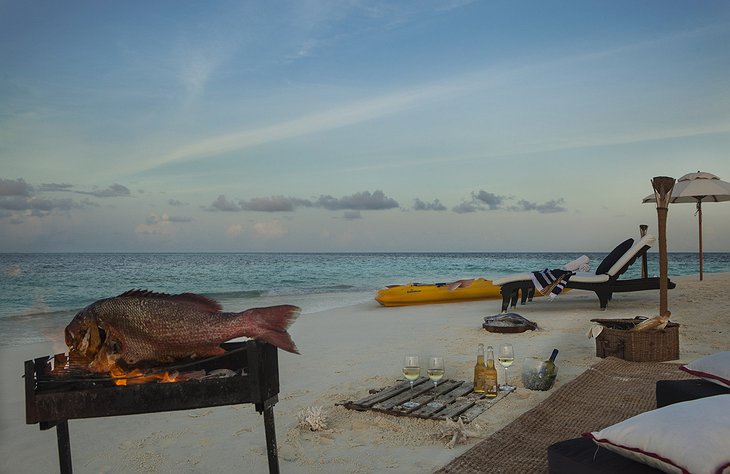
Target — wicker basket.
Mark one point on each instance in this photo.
(652, 345)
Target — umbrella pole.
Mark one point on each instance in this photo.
(699, 215)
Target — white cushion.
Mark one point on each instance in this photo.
(715, 368)
(690, 436)
(588, 278)
(580, 277)
(648, 239)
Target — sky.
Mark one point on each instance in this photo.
(358, 126)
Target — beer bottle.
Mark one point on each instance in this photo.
(490, 388)
(480, 371)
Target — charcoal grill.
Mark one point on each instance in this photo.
(51, 400)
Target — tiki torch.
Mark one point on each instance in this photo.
(663, 192)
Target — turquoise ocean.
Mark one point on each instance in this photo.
(40, 293)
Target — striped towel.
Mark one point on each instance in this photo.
(550, 281)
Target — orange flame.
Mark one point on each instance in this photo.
(136, 376)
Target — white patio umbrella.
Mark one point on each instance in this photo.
(698, 187)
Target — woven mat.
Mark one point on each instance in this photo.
(610, 391)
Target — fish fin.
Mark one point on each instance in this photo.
(201, 301)
(271, 324)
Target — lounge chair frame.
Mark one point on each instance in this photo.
(524, 290)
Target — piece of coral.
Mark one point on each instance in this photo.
(312, 419)
(457, 432)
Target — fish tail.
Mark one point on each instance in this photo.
(270, 325)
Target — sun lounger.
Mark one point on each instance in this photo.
(605, 282)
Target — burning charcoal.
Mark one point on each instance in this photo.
(220, 374)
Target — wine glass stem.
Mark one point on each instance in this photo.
(505, 377)
(411, 390)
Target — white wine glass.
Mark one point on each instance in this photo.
(506, 356)
(435, 369)
(411, 370)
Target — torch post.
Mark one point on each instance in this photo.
(644, 271)
(663, 186)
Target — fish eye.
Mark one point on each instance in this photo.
(114, 347)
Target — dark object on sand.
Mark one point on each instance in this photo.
(139, 326)
(508, 323)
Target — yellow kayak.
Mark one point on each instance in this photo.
(418, 293)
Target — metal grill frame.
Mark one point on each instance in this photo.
(260, 386)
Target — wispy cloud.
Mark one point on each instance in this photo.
(351, 113)
(115, 190)
(341, 116)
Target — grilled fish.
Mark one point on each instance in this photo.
(139, 326)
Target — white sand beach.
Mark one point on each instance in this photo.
(345, 353)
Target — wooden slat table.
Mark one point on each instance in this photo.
(451, 399)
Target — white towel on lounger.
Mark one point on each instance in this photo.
(580, 264)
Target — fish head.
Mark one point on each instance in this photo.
(108, 356)
(83, 334)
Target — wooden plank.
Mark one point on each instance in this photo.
(477, 409)
(462, 390)
(480, 406)
(442, 396)
(455, 409)
(370, 400)
(403, 397)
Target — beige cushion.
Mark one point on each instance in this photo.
(691, 436)
(648, 239)
(714, 367)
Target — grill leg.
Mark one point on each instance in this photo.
(270, 430)
(64, 448)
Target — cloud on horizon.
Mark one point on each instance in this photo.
(274, 204)
(486, 201)
(359, 202)
(18, 187)
(362, 201)
(436, 205)
(19, 199)
(378, 201)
